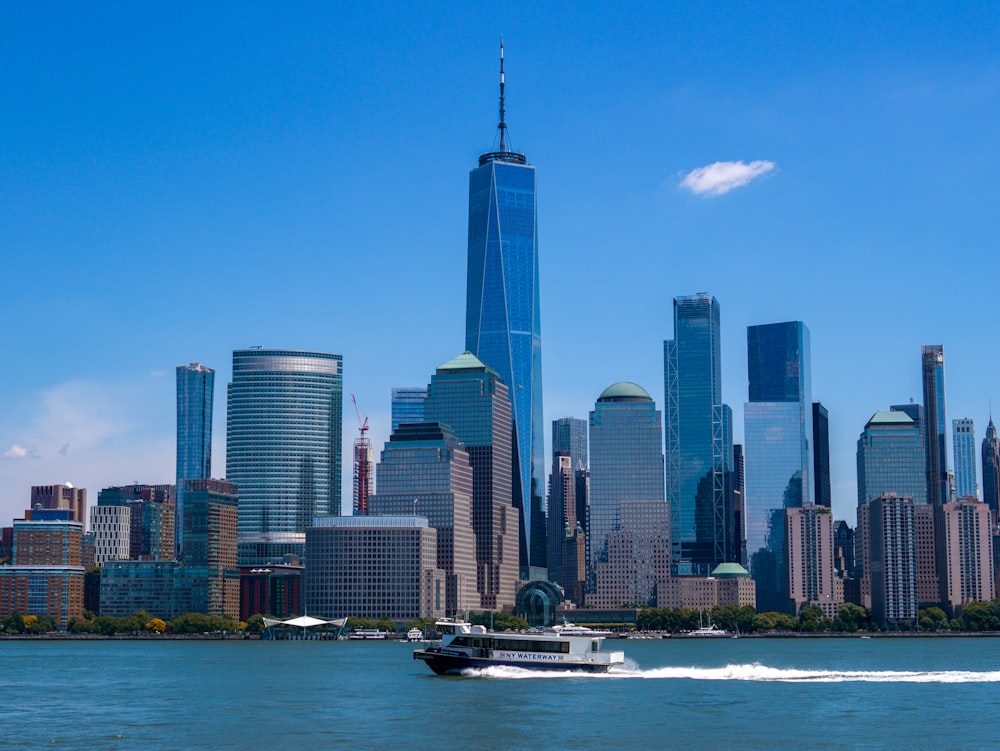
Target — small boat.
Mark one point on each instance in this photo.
(566, 647)
(414, 634)
(367, 634)
(709, 631)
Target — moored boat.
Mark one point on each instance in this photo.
(566, 647)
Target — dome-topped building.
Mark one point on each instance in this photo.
(624, 391)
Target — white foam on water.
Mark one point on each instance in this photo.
(750, 672)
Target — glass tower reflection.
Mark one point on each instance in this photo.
(503, 323)
(283, 447)
(699, 441)
(778, 431)
(195, 398)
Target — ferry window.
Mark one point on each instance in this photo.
(595, 646)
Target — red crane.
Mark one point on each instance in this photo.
(362, 464)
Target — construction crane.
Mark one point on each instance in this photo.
(363, 460)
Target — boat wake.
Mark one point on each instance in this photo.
(750, 672)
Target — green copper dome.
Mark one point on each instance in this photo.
(625, 391)
(729, 571)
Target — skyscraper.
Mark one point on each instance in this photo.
(778, 455)
(472, 400)
(628, 547)
(891, 461)
(699, 441)
(195, 397)
(963, 437)
(408, 405)
(503, 322)
(932, 371)
(425, 471)
(283, 447)
(821, 456)
(991, 469)
(569, 436)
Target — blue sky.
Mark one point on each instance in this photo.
(180, 181)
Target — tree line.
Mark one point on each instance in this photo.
(850, 618)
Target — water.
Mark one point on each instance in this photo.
(746, 693)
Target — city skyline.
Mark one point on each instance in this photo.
(231, 162)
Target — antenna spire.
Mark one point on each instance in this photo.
(503, 122)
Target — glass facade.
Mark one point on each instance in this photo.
(569, 436)
(283, 447)
(628, 540)
(891, 458)
(932, 370)
(991, 469)
(822, 494)
(699, 442)
(777, 451)
(408, 405)
(470, 398)
(425, 471)
(195, 397)
(503, 322)
(963, 436)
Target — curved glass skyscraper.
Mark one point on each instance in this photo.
(502, 324)
(283, 441)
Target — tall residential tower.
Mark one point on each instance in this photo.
(195, 397)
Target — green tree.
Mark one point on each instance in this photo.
(255, 624)
(852, 618)
(932, 619)
(811, 619)
(14, 623)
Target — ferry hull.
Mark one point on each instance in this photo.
(444, 663)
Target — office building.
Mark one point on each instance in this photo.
(629, 524)
(843, 548)
(728, 584)
(503, 317)
(699, 441)
(935, 426)
(425, 471)
(822, 494)
(567, 561)
(891, 552)
(63, 496)
(283, 447)
(968, 551)
(569, 436)
(408, 405)
(991, 470)
(809, 541)
(777, 451)
(963, 437)
(469, 397)
(373, 567)
(55, 591)
(891, 458)
(739, 503)
(210, 550)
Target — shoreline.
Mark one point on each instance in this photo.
(642, 636)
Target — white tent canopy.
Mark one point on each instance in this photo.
(304, 621)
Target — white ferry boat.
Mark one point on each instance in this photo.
(565, 647)
(367, 634)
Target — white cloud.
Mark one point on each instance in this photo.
(722, 177)
(93, 434)
(15, 452)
